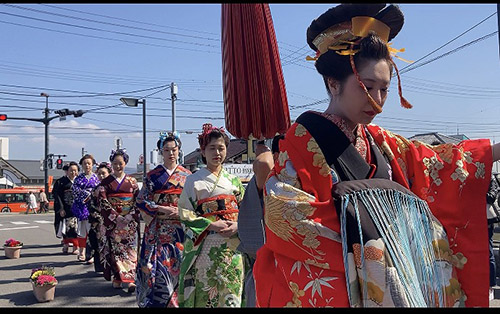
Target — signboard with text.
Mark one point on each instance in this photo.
(243, 171)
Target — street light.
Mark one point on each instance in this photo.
(134, 102)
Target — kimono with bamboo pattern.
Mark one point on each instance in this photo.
(161, 249)
(212, 270)
(301, 264)
(118, 247)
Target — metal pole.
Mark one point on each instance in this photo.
(173, 96)
(498, 29)
(144, 140)
(45, 162)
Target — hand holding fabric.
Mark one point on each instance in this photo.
(218, 225)
(231, 229)
(169, 211)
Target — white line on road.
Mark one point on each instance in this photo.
(17, 228)
(43, 221)
(19, 223)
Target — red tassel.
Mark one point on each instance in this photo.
(376, 107)
(403, 101)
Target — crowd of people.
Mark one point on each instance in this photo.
(340, 212)
(188, 254)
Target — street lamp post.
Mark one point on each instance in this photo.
(133, 102)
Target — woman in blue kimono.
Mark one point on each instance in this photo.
(161, 250)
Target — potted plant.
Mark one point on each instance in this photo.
(12, 248)
(43, 280)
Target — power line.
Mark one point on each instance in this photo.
(127, 20)
(117, 76)
(447, 53)
(107, 31)
(161, 116)
(91, 94)
(401, 71)
(112, 39)
(107, 23)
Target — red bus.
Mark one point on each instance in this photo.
(16, 199)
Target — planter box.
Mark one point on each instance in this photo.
(44, 293)
(12, 252)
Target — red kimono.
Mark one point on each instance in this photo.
(301, 263)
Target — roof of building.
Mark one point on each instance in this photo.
(436, 137)
(31, 169)
(236, 148)
(192, 157)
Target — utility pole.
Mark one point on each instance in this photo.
(46, 122)
(498, 28)
(173, 94)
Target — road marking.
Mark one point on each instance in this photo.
(19, 223)
(43, 221)
(17, 228)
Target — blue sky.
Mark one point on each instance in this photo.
(64, 51)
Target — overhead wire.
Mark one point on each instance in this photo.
(112, 39)
(127, 20)
(107, 23)
(108, 31)
(130, 78)
(450, 41)
(410, 68)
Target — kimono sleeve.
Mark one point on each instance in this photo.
(79, 193)
(240, 190)
(453, 179)
(135, 191)
(187, 204)
(145, 199)
(58, 204)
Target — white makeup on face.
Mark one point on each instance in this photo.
(353, 104)
(215, 154)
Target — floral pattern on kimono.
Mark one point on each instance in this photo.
(301, 263)
(161, 249)
(212, 271)
(118, 247)
(82, 191)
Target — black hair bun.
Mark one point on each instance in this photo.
(390, 15)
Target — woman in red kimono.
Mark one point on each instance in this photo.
(117, 205)
(357, 216)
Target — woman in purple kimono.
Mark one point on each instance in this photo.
(116, 202)
(82, 188)
(161, 250)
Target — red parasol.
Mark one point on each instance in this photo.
(255, 102)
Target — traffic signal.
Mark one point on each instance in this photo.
(78, 113)
(50, 163)
(59, 163)
(3, 117)
(63, 112)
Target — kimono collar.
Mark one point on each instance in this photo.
(343, 126)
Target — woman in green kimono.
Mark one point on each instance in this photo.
(212, 270)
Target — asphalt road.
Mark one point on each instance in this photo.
(79, 285)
